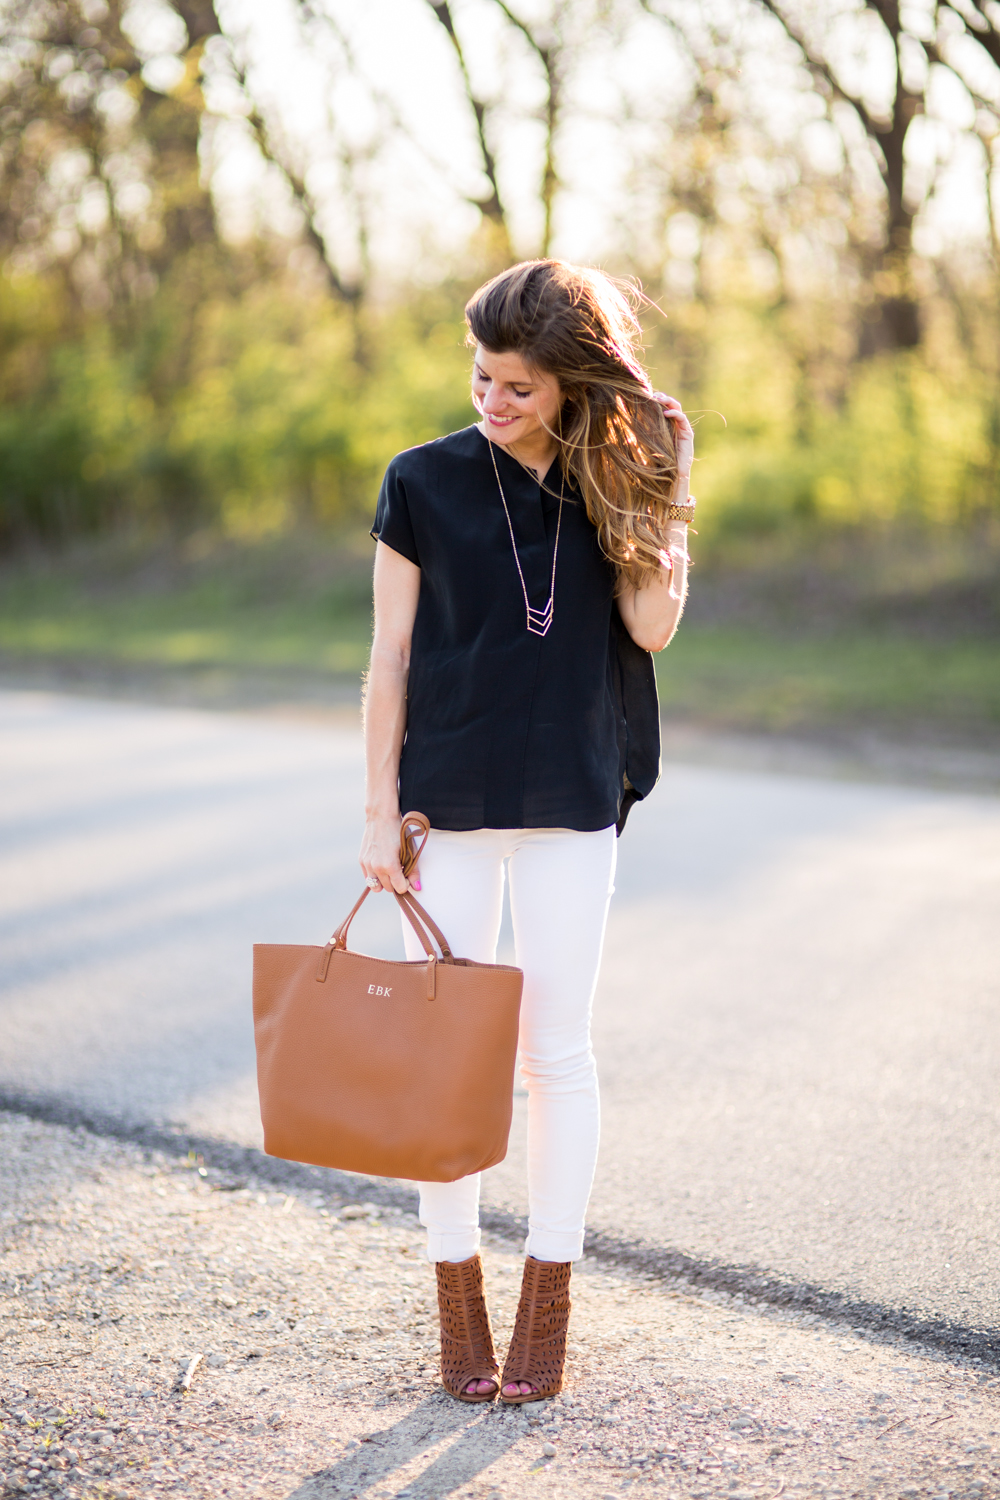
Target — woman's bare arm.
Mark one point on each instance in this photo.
(397, 589)
(651, 614)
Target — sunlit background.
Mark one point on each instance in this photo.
(236, 239)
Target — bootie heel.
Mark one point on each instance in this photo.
(466, 1335)
(537, 1353)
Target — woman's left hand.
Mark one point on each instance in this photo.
(683, 433)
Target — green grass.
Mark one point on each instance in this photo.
(759, 679)
(302, 606)
(183, 635)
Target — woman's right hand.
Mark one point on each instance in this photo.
(683, 433)
(380, 854)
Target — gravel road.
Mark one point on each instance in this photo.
(306, 1326)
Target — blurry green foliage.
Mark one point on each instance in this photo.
(282, 409)
(911, 437)
(753, 679)
(279, 416)
(151, 372)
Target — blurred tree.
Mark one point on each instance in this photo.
(549, 42)
(294, 161)
(104, 193)
(738, 211)
(151, 368)
(278, 151)
(960, 37)
(490, 204)
(553, 42)
(101, 173)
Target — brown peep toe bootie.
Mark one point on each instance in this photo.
(537, 1352)
(466, 1335)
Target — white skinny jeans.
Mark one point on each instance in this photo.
(561, 882)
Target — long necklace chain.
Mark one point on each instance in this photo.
(539, 620)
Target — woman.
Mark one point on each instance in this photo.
(525, 569)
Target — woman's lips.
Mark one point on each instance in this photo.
(501, 421)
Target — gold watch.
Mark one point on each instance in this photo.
(683, 512)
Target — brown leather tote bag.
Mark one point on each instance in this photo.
(395, 1069)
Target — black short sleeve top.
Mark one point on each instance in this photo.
(505, 728)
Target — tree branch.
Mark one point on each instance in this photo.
(522, 27)
(346, 292)
(549, 57)
(934, 54)
(822, 71)
(491, 207)
(988, 37)
(200, 18)
(320, 16)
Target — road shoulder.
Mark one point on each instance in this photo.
(308, 1329)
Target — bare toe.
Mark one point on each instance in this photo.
(480, 1387)
(519, 1388)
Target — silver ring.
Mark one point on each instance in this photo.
(374, 883)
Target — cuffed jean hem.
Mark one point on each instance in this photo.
(453, 1247)
(553, 1244)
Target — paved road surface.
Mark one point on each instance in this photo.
(798, 1028)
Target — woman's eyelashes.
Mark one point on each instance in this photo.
(484, 381)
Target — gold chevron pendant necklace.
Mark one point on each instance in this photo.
(539, 621)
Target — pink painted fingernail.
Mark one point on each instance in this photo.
(417, 886)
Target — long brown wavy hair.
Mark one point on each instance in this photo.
(614, 441)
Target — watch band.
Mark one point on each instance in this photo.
(683, 512)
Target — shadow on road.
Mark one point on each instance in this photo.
(467, 1429)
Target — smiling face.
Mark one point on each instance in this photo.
(517, 403)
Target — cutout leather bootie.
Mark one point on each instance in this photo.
(466, 1334)
(537, 1353)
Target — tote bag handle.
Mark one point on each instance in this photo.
(423, 925)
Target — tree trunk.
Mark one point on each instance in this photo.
(490, 205)
(891, 318)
